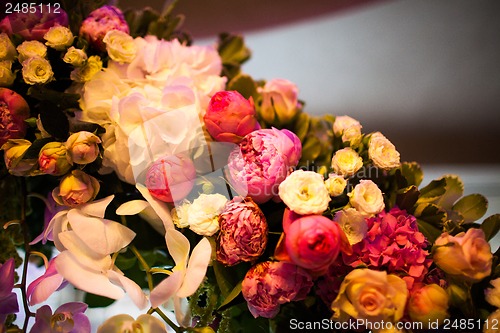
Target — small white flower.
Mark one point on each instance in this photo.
(382, 152)
(75, 57)
(7, 49)
(180, 214)
(367, 198)
(335, 185)
(346, 162)
(348, 128)
(493, 294)
(203, 213)
(31, 48)
(37, 70)
(59, 37)
(353, 224)
(120, 46)
(304, 192)
(6, 76)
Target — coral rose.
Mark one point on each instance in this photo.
(428, 303)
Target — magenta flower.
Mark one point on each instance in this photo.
(40, 289)
(393, 243)
(99, 22)
(230, 117)
(33, 26)
(267, 285)
(262, 161)
(68, 318)
(13, 112)
(243, 232)
(8, 299)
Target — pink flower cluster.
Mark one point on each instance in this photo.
(267, 285)
(99, 22)
(394, 243)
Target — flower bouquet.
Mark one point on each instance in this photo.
(138, 163)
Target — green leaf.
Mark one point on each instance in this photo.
(412, 172)
(431, 214)
(453, 191)
(232, 49)
(34, 149)
(62, 100)
(472, 207)
(232, 295)
(96, 301)
(433, 191)
(224, 278)
(311, 149)
(302, 125)
(245, 85)
(491, 226)
(430, 231)
(407, 198)
(124, 263)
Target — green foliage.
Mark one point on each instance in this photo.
(233, 52)
(96, 301)
(433, 191)
(472, 207)
(491, 226)
(245, 85)
(412, 172)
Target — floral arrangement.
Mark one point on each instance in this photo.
(139, 163)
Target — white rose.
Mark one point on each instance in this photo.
(353, 224)
(88, 70)
(37, 70)
(335, 185)
(59, 37)
(120, 46)
(31, 48)
(493, 294)
(7, 49)
(348, 128)
(346, 162)
(6, 76)
(203, 213)
(492, 322)
(180, 214)
(367, 198)
(304, 192)
(75, 57)
(382, 152)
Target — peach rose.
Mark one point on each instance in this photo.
(428, 303)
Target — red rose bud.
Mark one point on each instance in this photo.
(53, 159)
(230, 117)
(13, 112)
(171, 178)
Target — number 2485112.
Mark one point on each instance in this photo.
(31, 8)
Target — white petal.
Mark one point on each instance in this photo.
(160, 207)
(178, 247)
(196, 269)
(85, 256)
(131, 288)
(182, 311)
(96, 208)
(166, 289)
(132, 207)
(58, 223)
(89, 281)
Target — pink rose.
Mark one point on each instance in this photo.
(467, 254)
(76, 188)
(13, 112)
(99, 22)
(33, 26)
(312, 242)
(243, 232)
(53, 159)
(262, 161)
(230, 116)
(280, 102)
(171, 178)
(267, 285)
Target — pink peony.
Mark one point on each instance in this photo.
(171, 178)
(312, 242)
(243, 232)
(262, 161)
(13, 112)
(99, 22)
(267, 285)
(33, 26)
(393, 243)
(230, 116)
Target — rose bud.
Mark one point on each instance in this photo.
(13, 112)
(14, 151)
(348, 128)
(75, 57)
(7, 49)
(243, 232)
(230, 116)
(76, 188)
(83, 147)
(53, 159)
(428, 303)
(86, 72)
(171, 178)
(280, 102)
(268, 284)
(99, 22)
(59, 38)
(33, 26)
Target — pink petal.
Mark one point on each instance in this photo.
(96, 208)
(132, 207)
(131, 288)
(166, 289)
(7, 277)
(40, 289)
(159, 207)
(196, 269)
(178, 247)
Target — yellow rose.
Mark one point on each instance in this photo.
(14, 151)
(37, 70)
(7, 49)
(87, 71)
(335, 185)
(346, 162)
(467, 255)
(6, 76)
(76, 188)
(120, 46)
(370, 295)
(428, 303)
(367, 198)
(75, 57)
(31, 48)
(59, 37)
(382, 152)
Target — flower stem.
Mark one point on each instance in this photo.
(168, 321)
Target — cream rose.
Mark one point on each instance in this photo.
(335, 185)
(120, 46)
(180, 214)
(75, 57)
(7, 49)
(370, 295)
(346, 162)
(6, 76)
(493, 294)
(59, 37)
(382, 152)
(467, 254)
(37, 70)
(304, 192)
(348, 128)
(88, 70)
(428, 303)
(367, 198)
(353, 224)
(83, 147)
(203, 213)
(31, 48)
